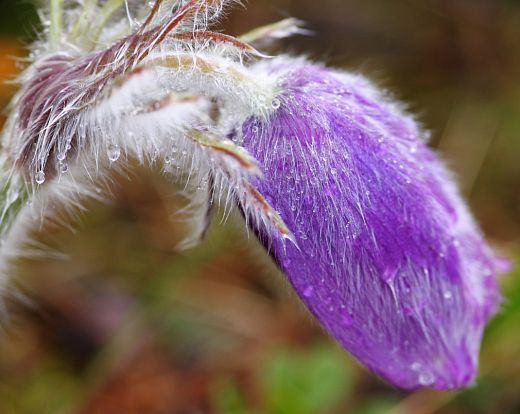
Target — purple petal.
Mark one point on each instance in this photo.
(390, 260)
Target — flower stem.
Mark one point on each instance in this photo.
(82, 21)
(56, 23)
(13, 195)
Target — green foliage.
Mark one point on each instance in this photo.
(56, 394)
(228, 399)
(379, 405)
(308, 381)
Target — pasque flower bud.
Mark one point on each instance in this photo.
(387, 256)
(335, 179)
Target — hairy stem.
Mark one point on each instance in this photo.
(56, 23)
(13, 195)
(81, 24)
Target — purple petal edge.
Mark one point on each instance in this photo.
(390, 260)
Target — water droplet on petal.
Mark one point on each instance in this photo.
(113, 152)
(40, 177)
(61, 156)
(447, 295)
(308, 291)
(389, 275)
(426, 378)
(276, 103)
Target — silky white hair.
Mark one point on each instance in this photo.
(110, 82)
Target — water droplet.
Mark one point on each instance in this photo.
(40, 177)
(12, 196)
(448, 295)
(276, 103)
(168, 160)
(389, 275)
(416, 366)
(308, 291)
(61, 156)
(113, 152)
(426, 378)
(64, 168)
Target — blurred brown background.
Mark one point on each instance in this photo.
(125, 325)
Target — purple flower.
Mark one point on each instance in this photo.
(388, 258)
(362, 217)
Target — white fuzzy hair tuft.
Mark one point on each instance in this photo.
(119, 80)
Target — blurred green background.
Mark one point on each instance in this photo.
(125, 325)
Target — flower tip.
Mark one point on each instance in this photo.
(451, 376)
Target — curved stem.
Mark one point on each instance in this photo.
(56, 23)
(14, 195)
(82, 21)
